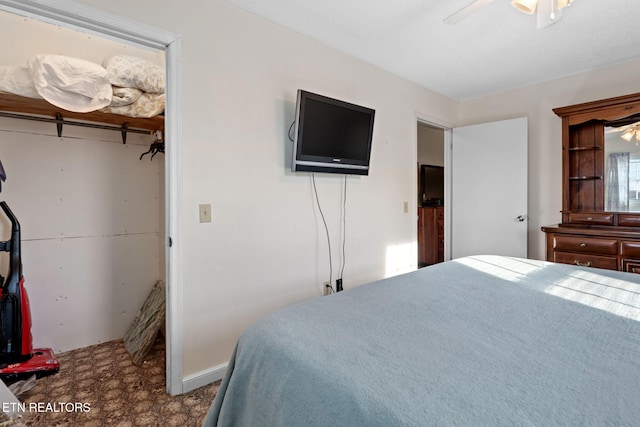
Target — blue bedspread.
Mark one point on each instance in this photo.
(479, 341)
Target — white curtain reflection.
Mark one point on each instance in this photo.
(617, 183)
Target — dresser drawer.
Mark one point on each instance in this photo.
(584, 260)
(591, 245)
(591, 218)
(630, 249)
(626, 220)
(631, 266)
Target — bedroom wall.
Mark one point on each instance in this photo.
(91, 212)
(30, 37)
(265, 247)
(545, 134)
(430, 145)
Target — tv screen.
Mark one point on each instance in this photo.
(432, 183)
(331, 135)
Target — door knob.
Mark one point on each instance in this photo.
(522, 218)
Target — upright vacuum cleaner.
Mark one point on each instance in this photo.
(18, 359)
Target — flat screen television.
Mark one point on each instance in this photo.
(331, 136)
(432, 185)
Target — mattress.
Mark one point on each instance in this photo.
(483, 340)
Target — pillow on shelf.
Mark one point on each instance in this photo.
(70, 83)
(130, 71)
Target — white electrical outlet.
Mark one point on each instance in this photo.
(406, 207)
(326, 288)
(205, 213)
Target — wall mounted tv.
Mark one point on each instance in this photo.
(331, 136)
(432, 185)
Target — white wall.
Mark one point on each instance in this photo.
(545, 134)
(266, 247)
(430, 145)
(91, 212)
(30, 37)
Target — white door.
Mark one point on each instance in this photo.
(488, 208)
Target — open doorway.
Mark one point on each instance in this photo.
(431, 194)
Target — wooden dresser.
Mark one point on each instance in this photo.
(430, 235)
(590, 235)
(610, 249)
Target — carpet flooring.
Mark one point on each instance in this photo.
(107, 389)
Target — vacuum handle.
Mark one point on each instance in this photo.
(15, 229)
(13, 247)
(8, 213)
(3, 175)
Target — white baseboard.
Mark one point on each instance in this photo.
(203, 378)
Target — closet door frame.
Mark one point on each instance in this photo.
(86, 19)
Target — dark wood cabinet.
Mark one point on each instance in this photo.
(611, 249)
(589, 235)
(430, 235)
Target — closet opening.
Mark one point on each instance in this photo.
(91, 208)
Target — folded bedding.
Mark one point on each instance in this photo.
(132, 72)
(123, 85)
(147, 105)
(70, 83)
(17, 80)
(124, 96)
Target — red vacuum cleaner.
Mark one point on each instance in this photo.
(18, 359)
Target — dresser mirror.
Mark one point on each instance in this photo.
(622, 165)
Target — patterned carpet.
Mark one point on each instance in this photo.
(107, 389)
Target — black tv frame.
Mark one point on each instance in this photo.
(328, 164)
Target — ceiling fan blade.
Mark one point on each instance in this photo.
(466, 11)
(548, 13)
(615, 130)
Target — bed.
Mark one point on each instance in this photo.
(482, 340)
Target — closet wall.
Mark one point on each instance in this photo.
(91, 212)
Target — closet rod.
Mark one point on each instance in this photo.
(59, 121)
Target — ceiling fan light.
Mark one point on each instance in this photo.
(526, 6)
(564, 3)
(628, 135)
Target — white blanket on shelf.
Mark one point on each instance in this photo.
(17, 80)
(70, 83)
(123, 85)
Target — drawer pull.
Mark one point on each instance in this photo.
(583, 245)
(582, 264)
(590, 219)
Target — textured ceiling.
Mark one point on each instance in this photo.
(496, 48)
